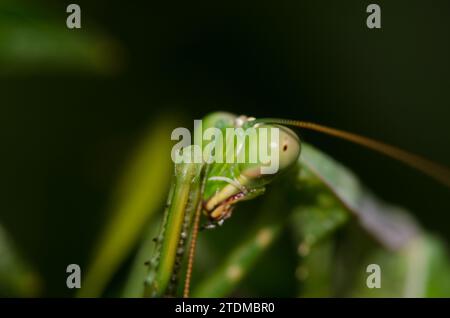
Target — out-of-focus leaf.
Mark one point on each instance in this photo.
(329, 192)
(242, 259)
(312, 223)
(438, 283)
(420, 269)
(270, 221)
(139, 196)
(33, 39)
(17, 279)
(316, 217)
(316, 270)
(390, 225)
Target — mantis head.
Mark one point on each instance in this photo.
(254, 153)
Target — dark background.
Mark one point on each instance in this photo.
(66, 135)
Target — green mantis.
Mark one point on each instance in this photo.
(215, 188)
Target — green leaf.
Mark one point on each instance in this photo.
(316, 217)
(17, 279)
(329, 191)
(225, 279)
(420, 269)
(438, 284)
(139, 196)
(259, 238)
(315, 271)
(314, 222)
(390, 225)
(34, 39)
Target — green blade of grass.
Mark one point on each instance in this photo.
(35, 39)
(17, 279)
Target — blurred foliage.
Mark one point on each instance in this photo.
(420, 269)
(390, 225)
(242, 258)
(36, 40)
(17, 278)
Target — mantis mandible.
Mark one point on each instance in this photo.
(215, 189)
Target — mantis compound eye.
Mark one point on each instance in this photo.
(277, 149)
(288, 148)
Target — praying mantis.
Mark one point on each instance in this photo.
(214, 189)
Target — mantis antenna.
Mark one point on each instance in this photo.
(428, 167)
